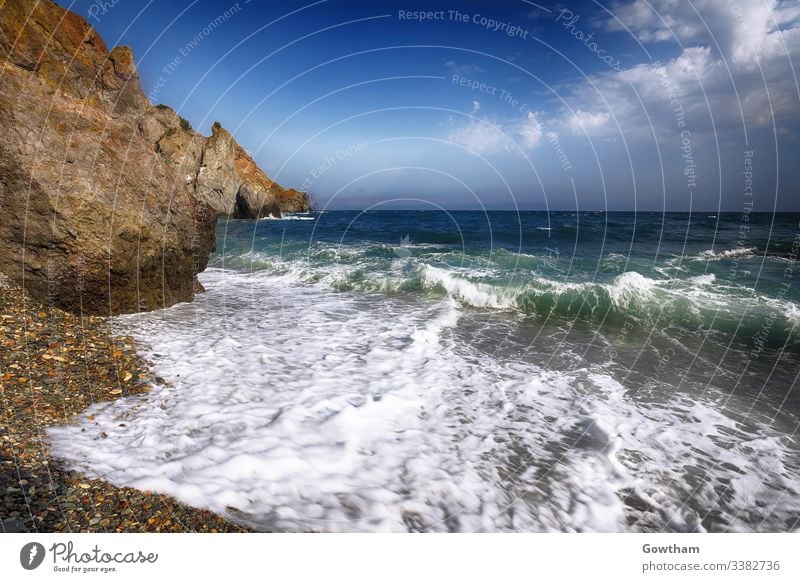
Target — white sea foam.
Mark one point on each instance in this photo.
(792, 312)
(465, 291)
(293, 407)
(694, 301)
(712, 255)
(707, 279)
(628, 286)
(622, 291)
(615, 257)
(289, 217)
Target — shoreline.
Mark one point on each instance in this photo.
(53, 366)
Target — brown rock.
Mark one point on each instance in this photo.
(122, 80)
(294, 201)
(232, 183)
(63, 51)
(108, 203)
(251, 203)
(179, 148)
(94, 220)
(217, 178)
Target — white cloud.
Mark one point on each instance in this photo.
(476, 105)
(733, 68)
(584, 121)
(484, 136)
(653, 20)
(530, 131)
(738, 31)
(478, 135)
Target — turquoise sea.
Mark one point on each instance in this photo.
(471, 371)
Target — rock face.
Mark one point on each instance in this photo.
(221, 172)
(108, 204)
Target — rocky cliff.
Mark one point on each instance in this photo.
(218, 169)
(108, 203)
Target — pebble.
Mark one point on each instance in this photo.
(55, 364)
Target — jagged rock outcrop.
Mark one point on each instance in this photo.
(217, 181)
(100, 192)
(93, 219)
(67, 55)
(259, 196)
(221, 172)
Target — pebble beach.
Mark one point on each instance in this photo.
(53, 365)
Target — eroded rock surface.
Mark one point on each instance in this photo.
(108, 203)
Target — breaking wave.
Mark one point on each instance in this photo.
(695, 302)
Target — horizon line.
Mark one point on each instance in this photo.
(717, 212)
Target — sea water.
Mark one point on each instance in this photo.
(470, 371)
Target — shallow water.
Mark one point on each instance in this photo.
(397, 371)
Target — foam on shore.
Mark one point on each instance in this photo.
(294, 407)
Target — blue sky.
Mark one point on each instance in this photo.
(616, 105)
